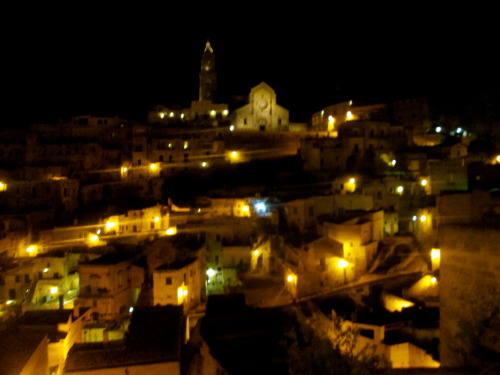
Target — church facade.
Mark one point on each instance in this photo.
(261, 113)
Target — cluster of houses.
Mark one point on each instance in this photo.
(100, 272)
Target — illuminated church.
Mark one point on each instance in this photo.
(261, 113)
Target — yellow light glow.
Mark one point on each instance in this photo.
(45, 270)
(423, 182)
(349, 116)
(94, 238)
(352, 180)
(433, 280)
(245, 208)
(290, 278)
(498, 159)
(342, 263)
(423, 218)
(322, 113)
(185, 292)
(171, 114)
(54, 290)
(213, 113)
(225, 112)
(3, 186)
(211, 272)
(331, 120)
(110, 225)
(186, 145)
(152, 166)
(124, 169)
(234, 154)
(204, 164)
(30, 249)
(231, 128)
(400, 189)
(256, 252)
(435, 254)
(171, 231)
(162, 115)
(182, 115)
(157, 219)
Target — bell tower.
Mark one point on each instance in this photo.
(208, 74)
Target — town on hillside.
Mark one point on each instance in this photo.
(228, 240)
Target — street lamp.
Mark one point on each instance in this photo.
(343, 264)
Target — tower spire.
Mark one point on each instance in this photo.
(208, 74)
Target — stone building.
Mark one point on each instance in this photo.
(110, 284)
(178, 283)
(261, 113)
(470, 288)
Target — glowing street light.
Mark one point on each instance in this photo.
(211, 272)
(435, 254)
(256, 252)
(54, 290)
(171, 231)
(110, 225)
(231, 128)
(439, 129)
(423, 218)
(342, 263)
(400, 189)
(423, 182)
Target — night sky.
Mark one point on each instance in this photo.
(75, 60)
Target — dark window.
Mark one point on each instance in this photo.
(168, 281)
(18, 278)
(12, 294)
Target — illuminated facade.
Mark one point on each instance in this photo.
(261, 113)
(358, 145)
(329, 118)
(178, 283)
(110, 285)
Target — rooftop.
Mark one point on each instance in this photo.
(154, 336)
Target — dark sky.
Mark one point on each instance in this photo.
(77, 60)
